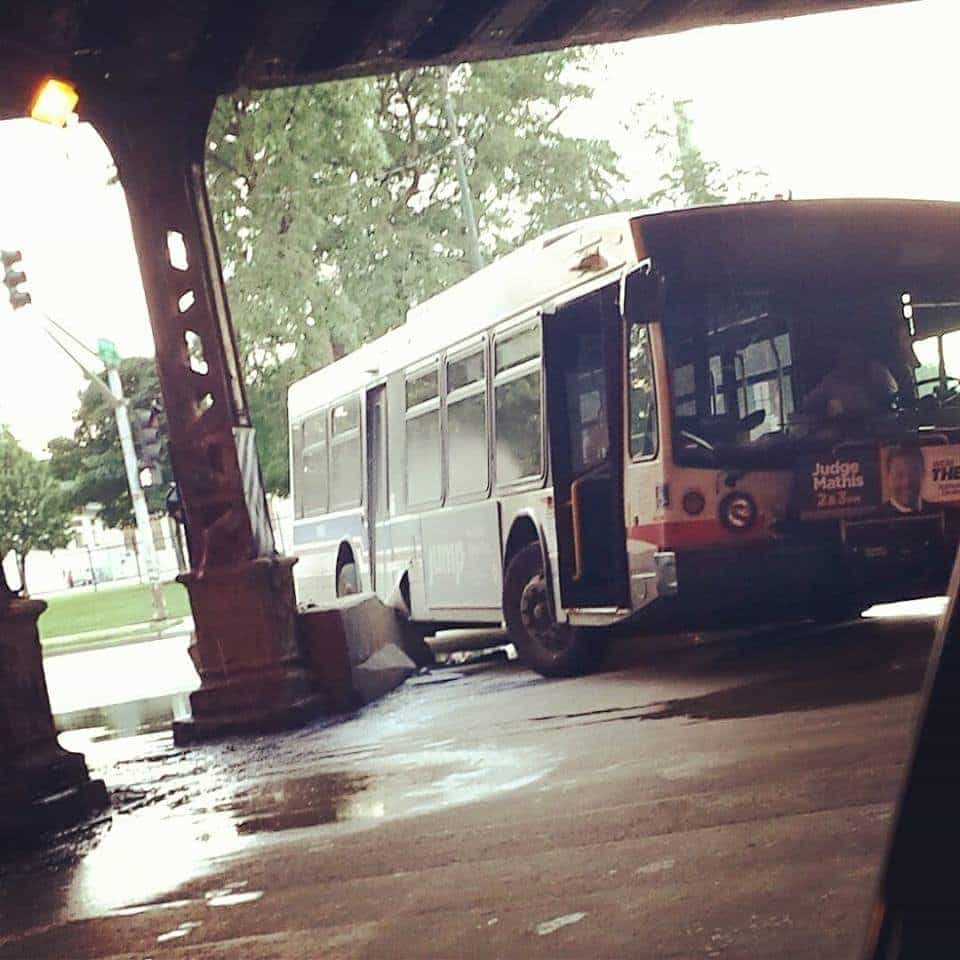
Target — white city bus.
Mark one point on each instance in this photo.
(699, 416)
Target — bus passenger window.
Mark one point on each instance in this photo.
(517, 409)
(467, 468)
(310, 466)
(345, 463)
(935, 356)
(296, 455)
(518, 348)
(423, 438)
(643, 404)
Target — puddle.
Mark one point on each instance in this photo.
(178, 815)
(410, 784)
(305, 802)
(127, 719)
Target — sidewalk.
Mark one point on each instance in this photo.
(122, 674)
(116, 636)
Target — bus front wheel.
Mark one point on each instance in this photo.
(552, 649)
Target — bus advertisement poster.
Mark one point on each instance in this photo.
(837, 484)
(914, 477)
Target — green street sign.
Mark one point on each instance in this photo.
(107, 352)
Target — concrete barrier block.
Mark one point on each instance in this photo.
(354, 649)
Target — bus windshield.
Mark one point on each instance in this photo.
(762, 370)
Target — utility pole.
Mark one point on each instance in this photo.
(466, 199)
(140, 511)
(13, 279)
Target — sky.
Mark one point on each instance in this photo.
(860, 103)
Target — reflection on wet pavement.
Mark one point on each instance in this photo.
(128, 719)
(306, 802)
(188, 815)
(180, 814)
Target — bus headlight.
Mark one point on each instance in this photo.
(694, 502)
(738, 511)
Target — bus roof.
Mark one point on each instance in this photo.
(541, 270)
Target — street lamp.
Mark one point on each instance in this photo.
(54, 103)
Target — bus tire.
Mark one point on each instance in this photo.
(552, 649)
(347, 582)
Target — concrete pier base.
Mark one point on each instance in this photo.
(355, 648)
(42, 786)
(245, 650)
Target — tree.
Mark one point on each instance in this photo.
(338, 205)
(34, 515)
(90, 463)
(689, 178)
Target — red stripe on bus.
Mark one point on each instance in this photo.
(690, 533)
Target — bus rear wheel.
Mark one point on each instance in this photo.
(552, 649)
(347, 580)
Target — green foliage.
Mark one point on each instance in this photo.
(689, 179)
(34, 515)
(90, 464)
(338, 206)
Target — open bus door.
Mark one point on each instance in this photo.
(583, 358)
(377, 507)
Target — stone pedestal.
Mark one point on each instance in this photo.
(42, 786)
(245, 650)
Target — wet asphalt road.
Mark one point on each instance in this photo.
(724, 796)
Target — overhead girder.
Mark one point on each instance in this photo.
(219, 45)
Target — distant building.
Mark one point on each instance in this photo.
(96, 555)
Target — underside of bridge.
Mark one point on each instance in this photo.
(122, 50)
(148, 75)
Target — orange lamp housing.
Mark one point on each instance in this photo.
(54, 102)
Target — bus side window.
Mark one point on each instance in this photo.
(345, 462)
(929, 352)
(310, 466)
(423, 437)
(518, 425)
(467, 465)
(643, 404)
(297, 480)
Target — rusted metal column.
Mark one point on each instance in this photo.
(241, 592)
(42, 786)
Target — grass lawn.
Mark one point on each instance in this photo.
(108, 608)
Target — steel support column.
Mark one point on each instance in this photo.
(241, 592)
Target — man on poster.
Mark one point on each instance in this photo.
(903, 482)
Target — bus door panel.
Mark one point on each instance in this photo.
(461, 557)
(642, 481)
(645, 488)
(583, 349)
(378, 490)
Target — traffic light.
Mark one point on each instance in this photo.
(12, 278)
(147, 434)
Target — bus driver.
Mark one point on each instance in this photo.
(857, 386)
